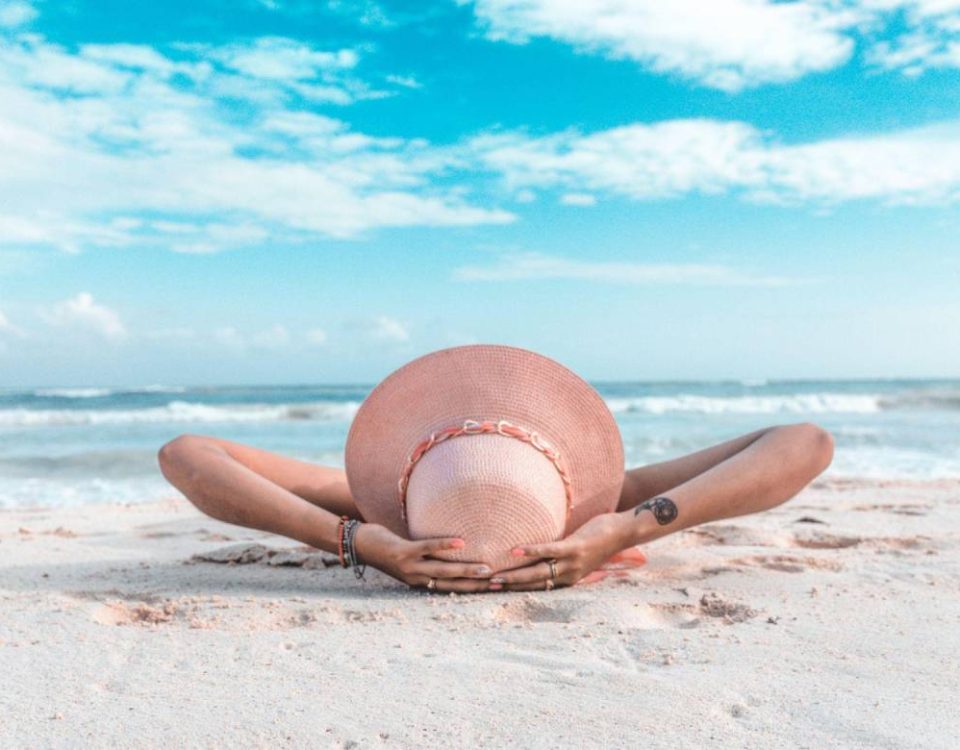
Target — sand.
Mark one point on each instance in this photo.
(831, 621)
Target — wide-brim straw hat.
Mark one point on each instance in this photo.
(495, 444)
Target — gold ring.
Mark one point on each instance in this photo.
(553, 568)
(432, 584)
(549, 585)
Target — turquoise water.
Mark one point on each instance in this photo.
(79, 445)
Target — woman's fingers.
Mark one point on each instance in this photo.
(432, 546)
(444, 569)
(539, 571)
(551, 549)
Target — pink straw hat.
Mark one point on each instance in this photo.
(498, 445)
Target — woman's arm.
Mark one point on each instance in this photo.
(651, 480)
(251, 487)
(751, 473)
(754, 473)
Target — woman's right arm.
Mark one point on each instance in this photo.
(253, 488)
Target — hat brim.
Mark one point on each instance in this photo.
(483, 382)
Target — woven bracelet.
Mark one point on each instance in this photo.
(350, 533)
(340, 546)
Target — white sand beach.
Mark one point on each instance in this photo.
(831, 621)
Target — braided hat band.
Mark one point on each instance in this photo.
(473, 427)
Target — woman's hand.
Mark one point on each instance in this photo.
(582, 552)
(408, 561)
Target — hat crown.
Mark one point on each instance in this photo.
(491, 489)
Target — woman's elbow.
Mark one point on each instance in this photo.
(816, 445)
(175, 455)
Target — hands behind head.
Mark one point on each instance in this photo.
(409, 561)
(576, 556)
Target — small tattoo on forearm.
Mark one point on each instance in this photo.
(663, 509)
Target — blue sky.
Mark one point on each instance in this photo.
(277, 191)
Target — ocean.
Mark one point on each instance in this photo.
(68, 446)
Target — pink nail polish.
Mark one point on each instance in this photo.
(518, 552)
(495, 586)
(458, 544)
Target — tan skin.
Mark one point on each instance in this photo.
(251, 487)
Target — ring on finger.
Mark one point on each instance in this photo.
(553, 568)
(432, 584)
(548, 584)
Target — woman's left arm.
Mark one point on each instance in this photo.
(745, 475)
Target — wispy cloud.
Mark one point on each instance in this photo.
(116, 145)
(200, 148)
(377, 328)
(388, 329)
(725, 44)
(578, 199)
(366, 13)
(680, 157)
(537, 266)
(734, 44)
(16, 13)
(82, 313)
(930, 39)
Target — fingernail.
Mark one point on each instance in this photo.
(517, 552)
(458, 543)
(495, 586)
(498, 581)
(483, 570)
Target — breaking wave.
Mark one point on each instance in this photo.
(182, 411)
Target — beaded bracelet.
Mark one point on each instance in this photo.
(340, 550)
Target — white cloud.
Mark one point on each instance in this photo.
(725, 44)
(930, 37)
(679, 157)
(362, 12)
(82, 313)
(734, 44)
(91, 138)
(384, 328)
(278, 58)
(409, 82)
(133, 56)
(525, 196)
(578, 199)
(526, 266)
(16, 13)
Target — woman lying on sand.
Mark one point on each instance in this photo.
(489, 468)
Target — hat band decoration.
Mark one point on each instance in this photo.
(473, 427)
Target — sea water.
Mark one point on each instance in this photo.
(84, 445)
